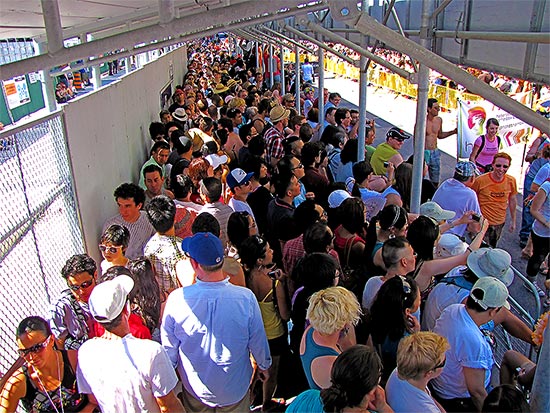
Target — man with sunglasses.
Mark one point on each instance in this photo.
(388, 152)
(70, 318)
(240, 185)
(496, 191)
(461, 386)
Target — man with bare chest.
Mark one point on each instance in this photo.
(434, 132)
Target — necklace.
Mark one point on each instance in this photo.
(46, 390)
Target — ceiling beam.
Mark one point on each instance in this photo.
(346, 11)
(242, 14)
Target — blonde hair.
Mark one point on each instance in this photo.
(419, 353)
(235, 103)
(331, 309)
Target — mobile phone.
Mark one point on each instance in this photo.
(386, 164)
(272, 274)
(476, 217)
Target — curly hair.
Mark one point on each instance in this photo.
(77, 264)
(331, 309)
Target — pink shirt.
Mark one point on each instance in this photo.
(490, 149)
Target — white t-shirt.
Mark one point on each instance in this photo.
(468, 348)
(542, 175)
(442, 296)
(125, 375)
(403, 397)
(538, 228)
(455, 196)
(238, 206)
(371, 289)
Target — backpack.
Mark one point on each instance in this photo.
(488, 168)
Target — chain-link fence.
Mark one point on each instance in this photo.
(39, 228)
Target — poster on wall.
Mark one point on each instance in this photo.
(166, 96)
(17, 91)
(473, 116)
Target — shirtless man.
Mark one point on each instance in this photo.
(433, 133)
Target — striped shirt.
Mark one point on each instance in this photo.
(140, 232)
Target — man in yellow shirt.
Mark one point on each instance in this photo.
(497, 191)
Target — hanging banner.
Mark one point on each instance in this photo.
(472, 117)
(17, 91)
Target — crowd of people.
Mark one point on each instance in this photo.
(257, 257)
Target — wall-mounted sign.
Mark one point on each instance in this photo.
(17, 91)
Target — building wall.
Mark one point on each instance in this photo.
(108, 138)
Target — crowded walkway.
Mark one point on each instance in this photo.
(259, 263)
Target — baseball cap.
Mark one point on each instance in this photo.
(216, 160)
(108, 298)
(397, 133)
(449, 245)
(238, 177)
(466, 169)
(433, 210)
(336, 198)
(204, 247)
(489, 262)
(489, 292)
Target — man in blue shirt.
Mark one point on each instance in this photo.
(209, 330)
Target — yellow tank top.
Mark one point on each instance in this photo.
(273, 324)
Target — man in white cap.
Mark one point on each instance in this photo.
(124, 373)
(210, 329)
(457, 284)
(466, 372)
(455, 194)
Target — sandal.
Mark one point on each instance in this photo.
(544, 269)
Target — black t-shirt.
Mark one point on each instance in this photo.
(177, 169)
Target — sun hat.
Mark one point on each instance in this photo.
(489, 292)
(489, 262)
(278, 113)
(433, 210)
(220, 88)
(336, 198)
(204, 247)
(180, 115)
(238, 177)
(216, 160)
(108, 298)
(449, 245)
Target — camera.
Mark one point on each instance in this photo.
(476, 217)
(386, 164)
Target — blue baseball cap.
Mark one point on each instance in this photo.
(238, 177)
(204, 247)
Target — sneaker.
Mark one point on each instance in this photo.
(540, 292)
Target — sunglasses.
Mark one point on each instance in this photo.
(299, 166)
(37, 348)
(111, 249)
(502, 166)
(441, 365)
(82, 286)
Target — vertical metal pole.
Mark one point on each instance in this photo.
(321, 58)
(363, 80)
(52, 22)
(297, 79)
(96, 74)
(421, 107)
(256, 46)
(127, 65)
(283, 88)
(270, 61)
(48, 86)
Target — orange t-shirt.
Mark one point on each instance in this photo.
(493, 196)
